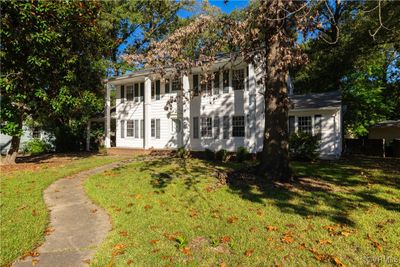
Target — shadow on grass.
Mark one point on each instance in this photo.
(324, 189)
(42, 158)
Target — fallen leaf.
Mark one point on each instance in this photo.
(155, 250)
(324, 242)
(253, 229)
(249, 252)
(185, 251)
(345, 233)
(232, 219)
(302, 246)
(271, 228)
(34, 213)
(123, 233)
(94, 210)
(34, 254)
(49, 230)
(330, 228)
(34, 262)
(225, 239)
(377, 245)
(291, 225)
(146, 207)
(338, 262)
(129, 205)
(87, 261)
(287, 239)
(222, 264)
(129, 262)
(119, 246)
(154, 241)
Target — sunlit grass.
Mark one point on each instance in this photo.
(345, 213)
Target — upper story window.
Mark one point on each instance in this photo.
(225, 81)
(238, 126)
(129, 93)
(238, 79)
(141, 92)
(304, 124)
(196, 84)
(158, 90)
(122, 93)
(136, 92)
(216, 83)
(175, 85)
(167, 85)
(206, 86)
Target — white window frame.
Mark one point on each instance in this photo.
(301, 126)
(234, 73)
(206, 127)
(237, 125)
(128, 128)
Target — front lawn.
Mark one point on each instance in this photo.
(169, 212)
(24, 216)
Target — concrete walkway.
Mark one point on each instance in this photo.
(79, 225)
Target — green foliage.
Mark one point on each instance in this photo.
(242, 154)
(303, 146)
(52, 63)
(181, 242)
(210, 155)
(222, 155)
(182, 153)
(36, 146)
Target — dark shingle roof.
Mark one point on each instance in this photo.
(316, 100)
(388, 123)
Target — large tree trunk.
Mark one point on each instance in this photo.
(12, 152)
(275, 154)
(14, 146)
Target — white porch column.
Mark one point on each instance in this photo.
(252, 108)
(185, 112)
(108, 117)
(146, 113)
(88, 136)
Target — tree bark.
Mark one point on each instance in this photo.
(275, 155)
(14, 147)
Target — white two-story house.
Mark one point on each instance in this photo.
(226, 113)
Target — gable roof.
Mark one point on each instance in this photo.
(326, 100)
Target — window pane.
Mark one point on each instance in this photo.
(196, 84)
(158, 90)
(238, 79)
(122, 94)
(36, 132)
(226, 81)
(238, 126)
(136, 128)
(195, 127)
(216, 127)
(216, 83)
(129, 128)
(129, 93)
(153, 90)
(175, 84)
(206, 127)
(136, 92)
(167, 86)
(205, 86)
(291, 128)
(122, 122)
(158, 128)
(141, 92)
(304, 124)
(153, 128)
(226, 127)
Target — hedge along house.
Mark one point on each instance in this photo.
(226, 113)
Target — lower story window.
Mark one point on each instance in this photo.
(129, 128)
(155, 128)
(238, 126)
(291, 125)
(216, 127)
(195, 127)
(36, 132)
(304, 124)
(122, 128)
(141, 129)
(225, 125)
(206, 127)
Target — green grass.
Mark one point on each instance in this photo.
(347, 212)
(24, 216)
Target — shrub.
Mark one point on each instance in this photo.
(36, 146)
(183, 153)
(222, 155)
(210, 155)
(303, 146)
(242, 154)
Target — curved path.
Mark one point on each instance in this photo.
(79, 225)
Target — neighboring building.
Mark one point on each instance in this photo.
(387, 130)
(28, 134)
(229, 114)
